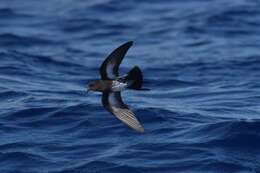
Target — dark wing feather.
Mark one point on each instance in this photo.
(112, 102)
(109, 68)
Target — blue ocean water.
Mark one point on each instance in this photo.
(201, 60)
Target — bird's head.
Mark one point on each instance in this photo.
(94, 86)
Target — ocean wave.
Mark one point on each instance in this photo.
(200, 59)
(9, 40)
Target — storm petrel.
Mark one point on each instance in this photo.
(111, 85)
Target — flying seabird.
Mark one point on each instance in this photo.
(111, 85)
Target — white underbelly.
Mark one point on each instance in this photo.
(118, 86)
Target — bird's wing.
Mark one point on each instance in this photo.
(112, 102)
(109, 68)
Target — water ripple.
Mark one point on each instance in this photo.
(200, 59)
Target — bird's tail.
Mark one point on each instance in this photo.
(135, 78)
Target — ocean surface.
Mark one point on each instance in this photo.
(200, 58)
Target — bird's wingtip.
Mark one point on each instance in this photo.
(130, 43)
(140, 130)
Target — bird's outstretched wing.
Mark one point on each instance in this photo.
(109, 68)
(112, 102)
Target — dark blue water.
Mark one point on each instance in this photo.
(200, 58)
